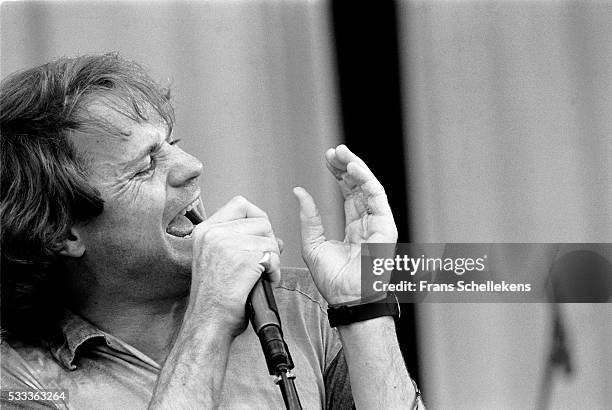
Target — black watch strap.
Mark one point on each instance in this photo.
(345, 314)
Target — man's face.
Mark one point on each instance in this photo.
(140, 243)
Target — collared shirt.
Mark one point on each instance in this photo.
(99, 371)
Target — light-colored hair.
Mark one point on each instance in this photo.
(44, 187)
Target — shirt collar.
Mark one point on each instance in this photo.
(75, 331)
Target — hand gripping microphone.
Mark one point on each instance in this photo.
(262, 312)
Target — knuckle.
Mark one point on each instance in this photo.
(239, 200)
(259, 226)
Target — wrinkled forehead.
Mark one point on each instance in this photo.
(114, 117)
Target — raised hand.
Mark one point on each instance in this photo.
(335, 265)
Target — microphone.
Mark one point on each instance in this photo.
(263, 314)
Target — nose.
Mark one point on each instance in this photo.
(186, 169)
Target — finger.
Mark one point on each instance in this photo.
(281, 245)
(333, 163)
(251, 248)
(337, 162)
(311, 227)
(250, 243)
(237, 208)
(339, 175)
(247, 226)
(340, 157)
(345, 155)
(271, 266)
(254, 248)
(373, 191)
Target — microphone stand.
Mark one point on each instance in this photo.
(558, 356)
(287, 386)
(263, 314)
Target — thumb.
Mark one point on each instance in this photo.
(312, 230)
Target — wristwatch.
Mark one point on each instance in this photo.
(347, 314)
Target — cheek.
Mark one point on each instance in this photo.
(143, 201)
(130, 218)
(124, 235)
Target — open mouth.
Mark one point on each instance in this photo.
(183, 223)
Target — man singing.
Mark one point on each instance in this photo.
(120, 292)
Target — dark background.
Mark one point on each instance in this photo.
(366, 47)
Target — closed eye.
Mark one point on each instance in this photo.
(151, 167)
(148, 170)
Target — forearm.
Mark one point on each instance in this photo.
(194, 371)
(379, 378)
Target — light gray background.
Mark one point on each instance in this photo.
(509, 117)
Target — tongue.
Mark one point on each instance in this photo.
(180, 226)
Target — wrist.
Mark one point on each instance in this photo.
(210, 319)
(372, 332)
(341, 292)
(210, 331)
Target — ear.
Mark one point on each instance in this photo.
(73, 245)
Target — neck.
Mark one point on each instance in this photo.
(149, 326)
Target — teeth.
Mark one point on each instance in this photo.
(190, 206)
